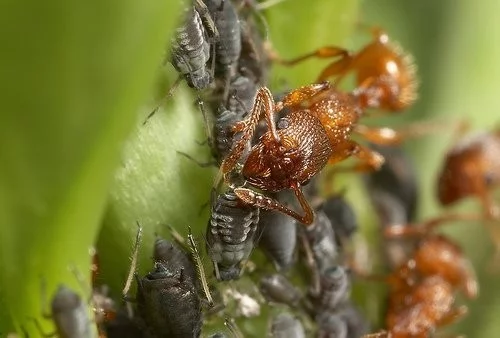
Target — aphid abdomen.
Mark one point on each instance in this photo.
(279, 238)
(230, 234)
(228, 45)
(190, 51)
(168, 304)
(285, 325)
(70, 314)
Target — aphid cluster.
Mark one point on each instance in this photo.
(268, 195)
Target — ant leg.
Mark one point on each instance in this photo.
(321, 53)
(389, 136)
(453, 316)
(300, 96)
(381, 334)
(370, 159)
(259, 200)
(420, 229)
(263, 103)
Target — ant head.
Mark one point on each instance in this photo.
(470, 168)
(386, 75)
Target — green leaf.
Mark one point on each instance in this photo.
(73, 75)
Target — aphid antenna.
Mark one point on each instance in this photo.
(233, 328)
(199, 267)
(81, 282)
(169, 94)
(267, 4)
(133, 263)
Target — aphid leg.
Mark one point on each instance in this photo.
(382, 334)
(369, 159)
(177, 236)
(263, 103)
(40, 329)
(201, 164)
(199, 267)
(233, 328)
(206, 18)
(261, 201)
(314, 284)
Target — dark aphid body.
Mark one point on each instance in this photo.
(228, 44)
(242, 92)
(345, 322)
(230, 234)
(278, 238)
(331, 325)
(168, 303)
(285, 325)
(190, 50)
(70, 314)
(321, 239)
(391, 211)
(277, 288)
(335, 288)
(397, 177)
(341, 215)
(176, 259)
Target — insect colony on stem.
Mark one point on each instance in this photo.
(270, 151)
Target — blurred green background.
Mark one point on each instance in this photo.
(77, 168)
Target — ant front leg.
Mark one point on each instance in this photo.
(263, 104)
(259, 200)
(300, 96)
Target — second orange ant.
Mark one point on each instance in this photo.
(385, 74)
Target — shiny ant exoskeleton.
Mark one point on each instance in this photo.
(385, 74)
(315, 130)
(472, 169)
(422, 289)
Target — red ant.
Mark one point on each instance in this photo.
(472, 169)
(385, 73)
(422, 289)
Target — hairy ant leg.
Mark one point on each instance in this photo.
(259, 200)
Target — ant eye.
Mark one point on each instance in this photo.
(283, 123)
